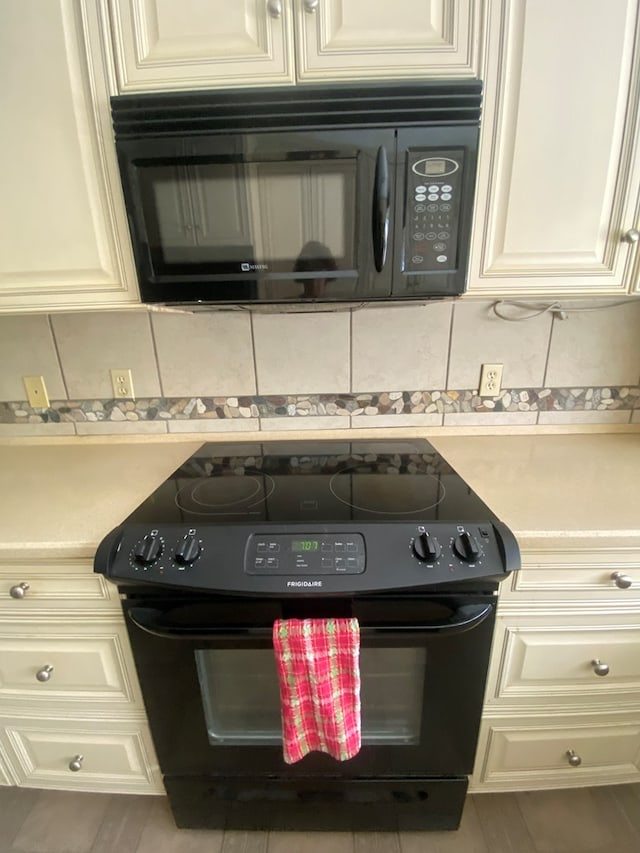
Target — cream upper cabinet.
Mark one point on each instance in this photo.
(557, 209)
(191, 44)
(166, 44)
(63, 234)
(387, 38)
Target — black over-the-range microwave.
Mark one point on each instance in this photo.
(304, 194)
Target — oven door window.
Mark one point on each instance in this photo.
(241, 699)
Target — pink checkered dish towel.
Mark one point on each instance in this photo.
(319, 671)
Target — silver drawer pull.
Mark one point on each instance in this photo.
(573, 758)
(44, 674)
(76, 763)
(621, 580)
(19, 590)
(310, 5)
(600, 668)
(631, 236)
(274, 7)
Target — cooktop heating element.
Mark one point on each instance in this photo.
(310, 517)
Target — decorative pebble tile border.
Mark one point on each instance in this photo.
(302, 405)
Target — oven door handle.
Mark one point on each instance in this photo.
(148, 619)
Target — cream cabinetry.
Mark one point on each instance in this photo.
(63, 235)
(161, 44)
(562, 707)
(71, 711)
(558, 202)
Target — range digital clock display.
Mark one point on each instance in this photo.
(299, 545)
(305, 554)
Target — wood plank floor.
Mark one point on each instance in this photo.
(584, 820)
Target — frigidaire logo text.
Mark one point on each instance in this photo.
(304, 583)
(250, 267)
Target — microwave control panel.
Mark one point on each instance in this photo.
(433, 193)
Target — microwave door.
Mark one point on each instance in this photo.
(264, 217)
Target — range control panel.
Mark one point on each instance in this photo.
(301, 554)
(331, 558)
(433, 193)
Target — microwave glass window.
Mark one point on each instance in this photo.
(241, 697)
(273, 217)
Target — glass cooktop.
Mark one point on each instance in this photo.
(319, 481)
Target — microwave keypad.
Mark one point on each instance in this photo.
(433, 193)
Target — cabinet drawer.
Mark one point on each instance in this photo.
(603, 574)
(516, 755)
(107, 755)
(53, 585)
(51, 663)
(536, 661)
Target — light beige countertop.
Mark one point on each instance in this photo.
(555, 487)
(60, 499)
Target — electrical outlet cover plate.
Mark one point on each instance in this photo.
(491, 380)
(122, 383)
(36, 392)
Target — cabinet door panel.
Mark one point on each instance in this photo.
(555, 663)
(558, 183)
(162, 44)
(62, 242)
(524, 755)
(115, 756)
(84, 664)
(405, 38)
(53, 585)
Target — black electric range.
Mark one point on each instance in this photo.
(311, 517)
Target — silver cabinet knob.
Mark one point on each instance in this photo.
(310, 6)
(19, 590)
(631, 236)
(600, 668)
(274, 7)
(44, 674)
(621, 580)
(573, 758)
(76, 763)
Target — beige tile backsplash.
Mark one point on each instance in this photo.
(204, 354)
(27, 348)
(596, 348)
(480, 337)
(302, 353)
(398, 348)
(91, 344)
(434, 346)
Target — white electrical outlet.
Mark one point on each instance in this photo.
(490, 380)
(122, 383)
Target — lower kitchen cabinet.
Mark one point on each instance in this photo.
(529, 753)
(88, 755)
(562, 706)
(57, 664)
(72, 715)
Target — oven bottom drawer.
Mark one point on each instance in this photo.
(251, 803)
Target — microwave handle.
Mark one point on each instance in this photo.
(464, 619)
(380, 210)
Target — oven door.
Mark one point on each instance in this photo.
(210, 686)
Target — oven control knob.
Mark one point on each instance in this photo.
(466, 547)
(148, 550)
(426, 548)
(187, 550)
